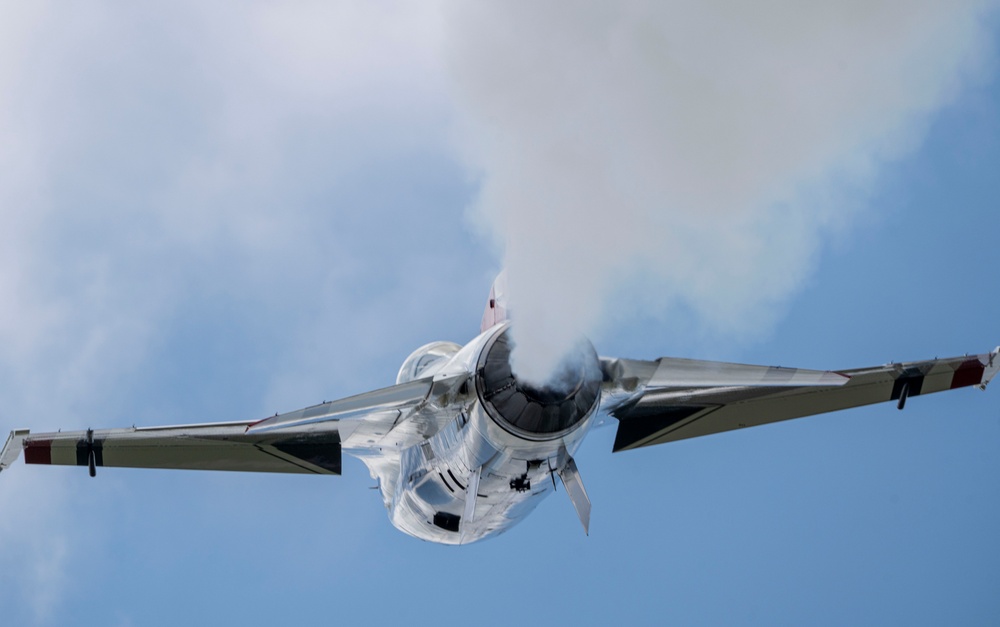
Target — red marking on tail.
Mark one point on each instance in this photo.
(496, 308)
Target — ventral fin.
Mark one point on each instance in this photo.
(570, 476)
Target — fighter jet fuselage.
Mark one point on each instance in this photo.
(502, 450)
(463, 449)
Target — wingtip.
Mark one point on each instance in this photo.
(12, 448)
(992, 366)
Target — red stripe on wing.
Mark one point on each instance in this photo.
(38, 452)
(969, 373)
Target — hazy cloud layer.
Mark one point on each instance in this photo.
(164, 170)
(210, 211)
(696, 152)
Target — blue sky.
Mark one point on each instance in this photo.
(214, 215)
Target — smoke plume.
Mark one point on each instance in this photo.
(698, 149)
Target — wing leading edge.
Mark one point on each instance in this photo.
(663, 401)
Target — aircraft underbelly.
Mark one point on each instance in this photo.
(429, 499)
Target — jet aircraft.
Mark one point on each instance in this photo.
(463, 450)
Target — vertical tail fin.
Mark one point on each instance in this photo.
(496, 307)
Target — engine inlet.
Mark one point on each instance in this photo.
(533, 411)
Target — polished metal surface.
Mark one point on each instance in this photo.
(462, 450)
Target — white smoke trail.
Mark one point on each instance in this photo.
(704, 145)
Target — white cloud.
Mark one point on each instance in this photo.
(159, 160)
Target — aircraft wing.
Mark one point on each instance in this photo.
(674, 399)
(304, 441)
(217, 446)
